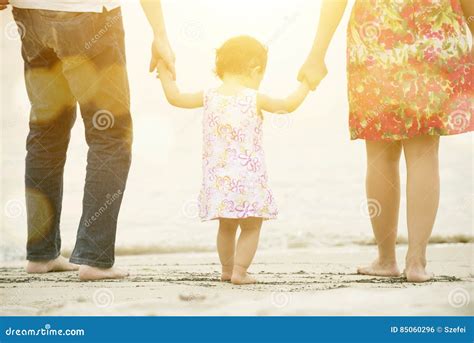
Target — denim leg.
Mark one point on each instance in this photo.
(100, 83)
(53, 111)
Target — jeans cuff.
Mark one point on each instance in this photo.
(42, 258)
(91, 263)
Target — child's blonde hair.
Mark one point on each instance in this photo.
(239, 55)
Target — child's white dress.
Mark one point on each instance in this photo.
(234, 173)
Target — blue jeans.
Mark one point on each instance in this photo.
(75, 59)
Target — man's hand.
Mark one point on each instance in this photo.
(3, 4)
(161, 50)
(313, 72)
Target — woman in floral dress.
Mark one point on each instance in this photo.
(410, 81)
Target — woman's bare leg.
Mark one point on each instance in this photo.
(383, 192)
(246, 249)
(226, 246)
(421, 154)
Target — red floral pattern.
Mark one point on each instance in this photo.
(410, 69)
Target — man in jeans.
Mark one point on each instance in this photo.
(74, 56)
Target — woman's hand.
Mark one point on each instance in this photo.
(313, 72)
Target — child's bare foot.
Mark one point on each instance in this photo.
(241, 277)
(226, 273)
(417, 273)
(88, 273)
(245, 279)
(59, 264)
(378, 268)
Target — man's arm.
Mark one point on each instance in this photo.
(3, 4)
(161, 48)
(284, 106)
(172, 92)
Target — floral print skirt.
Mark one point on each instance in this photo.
(410, 69)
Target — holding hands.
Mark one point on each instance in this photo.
(313, 72)
(161, 48)
(161, 51)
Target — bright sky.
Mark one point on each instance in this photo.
(197, 28)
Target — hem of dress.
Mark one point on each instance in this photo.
(439, 134)
(216, 217)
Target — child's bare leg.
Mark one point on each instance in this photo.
(59, 264)
(246, 249)
(226, 246)
(383, 192)
(421, 154)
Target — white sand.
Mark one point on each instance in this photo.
(298, 282)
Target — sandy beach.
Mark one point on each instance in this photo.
(297, 282)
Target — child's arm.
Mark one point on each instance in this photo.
(283, 106)
(172, 92)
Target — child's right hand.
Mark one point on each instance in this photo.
(305, 86)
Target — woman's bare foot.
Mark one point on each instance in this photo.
(88, 273)
(417, 273)
(59, 264)
(226, 275)
(377, 268)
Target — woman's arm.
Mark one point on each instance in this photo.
(468, 9)
(172, 92)
(284, 106)
(161, 48)
(314, 70)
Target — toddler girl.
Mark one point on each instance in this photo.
(235, 184)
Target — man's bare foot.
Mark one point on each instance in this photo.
(377, 268)
(417, 273)
(88, 273)
(226, 275)
(59, 264)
